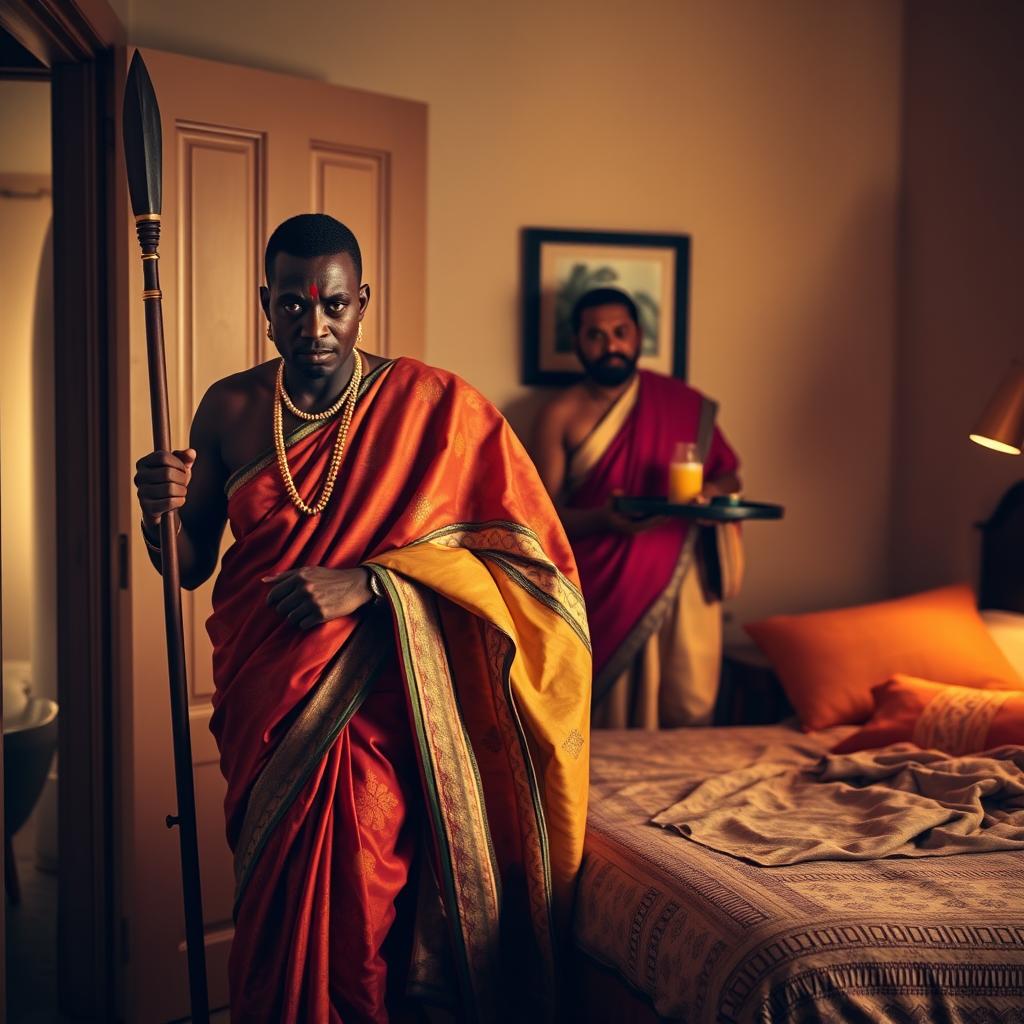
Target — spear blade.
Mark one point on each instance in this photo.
(143, 148)
(143, 140)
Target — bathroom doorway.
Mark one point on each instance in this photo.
(61, 593)
(28, 531)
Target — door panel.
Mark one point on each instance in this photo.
(243, 149)
(350, 185)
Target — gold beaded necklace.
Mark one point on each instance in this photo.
(348, 399)
(301, 413)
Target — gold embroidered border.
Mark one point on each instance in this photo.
(506, 542)
(243, 475)
(469, 874)
(335, 699)
(536, 858)
(649, 623)
(539, 585)
(516, 538)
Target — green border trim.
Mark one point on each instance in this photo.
(474, 765)
(534, 591)
(430, 784)
(512, 527)
(504, 524)
(538, 805)
(431, 790)
(242, 476)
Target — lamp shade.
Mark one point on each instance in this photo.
(1001, 425)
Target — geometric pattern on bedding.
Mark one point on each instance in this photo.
(709, 938)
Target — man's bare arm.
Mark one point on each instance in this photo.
(192, 482)
(549, 451)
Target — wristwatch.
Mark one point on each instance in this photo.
(374, 584)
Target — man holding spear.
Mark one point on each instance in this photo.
(402, 667)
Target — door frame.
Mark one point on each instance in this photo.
(82, 43)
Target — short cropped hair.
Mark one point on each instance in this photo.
(602, 297)
(309, 235)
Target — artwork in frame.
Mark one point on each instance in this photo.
(561, 265)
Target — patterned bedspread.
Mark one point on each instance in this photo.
(709, 938)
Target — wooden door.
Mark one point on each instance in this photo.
(243, 150)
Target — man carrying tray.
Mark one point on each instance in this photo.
(655, 625)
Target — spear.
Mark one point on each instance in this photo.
(143, 148)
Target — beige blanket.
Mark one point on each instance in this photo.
(896, 802)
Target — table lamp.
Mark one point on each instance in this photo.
(1001, 425)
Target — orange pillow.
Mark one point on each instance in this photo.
(828, 662)
(937, 716)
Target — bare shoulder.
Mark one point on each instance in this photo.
(563, 406)
(373, 361)
(229, 398)
(255, 383)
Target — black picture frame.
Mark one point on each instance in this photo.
(545, 360)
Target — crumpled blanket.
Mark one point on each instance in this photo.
(899, 801)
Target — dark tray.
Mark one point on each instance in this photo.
(719, 510)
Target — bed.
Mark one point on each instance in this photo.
(667, 929)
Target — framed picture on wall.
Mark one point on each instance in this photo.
(559, 266)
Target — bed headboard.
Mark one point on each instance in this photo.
(1002, 554)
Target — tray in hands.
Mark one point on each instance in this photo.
(723, 509)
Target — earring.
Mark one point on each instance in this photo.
(270, 331)
(359, 334)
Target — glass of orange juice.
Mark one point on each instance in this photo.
(685, 474)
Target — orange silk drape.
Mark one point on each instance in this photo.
(335, 838)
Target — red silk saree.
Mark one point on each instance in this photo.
(429, 750)
(631, 582)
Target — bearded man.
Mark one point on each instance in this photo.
(655, 619)
(401, 661)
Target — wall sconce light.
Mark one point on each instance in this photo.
(1001, 425)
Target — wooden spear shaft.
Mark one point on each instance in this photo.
(143, 156)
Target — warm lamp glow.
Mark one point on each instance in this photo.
(1001, 426)
(998, 446)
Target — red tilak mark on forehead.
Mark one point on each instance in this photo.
(314, 293)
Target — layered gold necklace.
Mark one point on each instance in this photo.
(346, 399)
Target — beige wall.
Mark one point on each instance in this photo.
(26, 515)
(963, 315)
(768, 131)
(25, 127)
